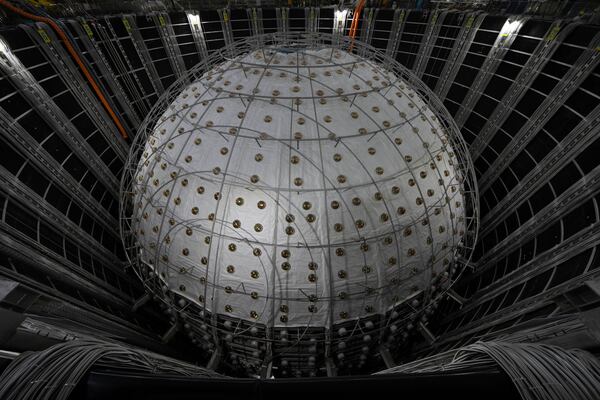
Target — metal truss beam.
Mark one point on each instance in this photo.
(167, 36)
(31, 253)
(89, 43)
(395, 33)
(38, 156)
(40, 208)
(58, 121)
(51, 46)
(539, 58)
(195, 23)
(522, 307)
(586, 63)
(576, 141)
(461, 46)
(582, 241)
(501, 46)
(581, 191)
(80, 312)
(430, 37)
(131, 26)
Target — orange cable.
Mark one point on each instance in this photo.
(75, 56)
(355, 19)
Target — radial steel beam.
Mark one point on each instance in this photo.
(584, 240)
(130, 25)
(26, 145)
(585, 65)
(58, 121)
(283, 22)
(170, 333)
(517, 309)
(368, 17)
(311, 15)
(505, 38)
(215, 360)
(110, 43)
(225, 19)
(432, 32)
(534, 65)
(581, 191)
(141, 302)
(395, 33)
(575, 142)
(167, 36)
(40, 208)
(87, 38)
(460, 49)
(24, 249)
(197, 33)
(51, 46)
(387, 358)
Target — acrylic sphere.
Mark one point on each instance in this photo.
(294, 188)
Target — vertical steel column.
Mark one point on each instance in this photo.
(56, 119)
(225, 19)
(427, 44)
(501, 46)
(167, 36)
(87, 39)
(50, 45)
(340, 17)
(539, 58)
(311, 17)
(462, 44)
(256, 21)
(395, 33)
(283, 22)
(197, 33)
(585, 64)
(18, 137)
(366, 29)
(134, 33)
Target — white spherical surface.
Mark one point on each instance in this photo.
(298, 188)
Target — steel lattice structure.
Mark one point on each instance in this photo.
(305, 343)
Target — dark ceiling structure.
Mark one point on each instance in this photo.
(520, 79)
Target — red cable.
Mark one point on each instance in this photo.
(75, 56)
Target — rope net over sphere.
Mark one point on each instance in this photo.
(297, 194)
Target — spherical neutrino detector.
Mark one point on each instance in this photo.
(297, 203)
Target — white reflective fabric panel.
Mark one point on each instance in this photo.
(298, 188)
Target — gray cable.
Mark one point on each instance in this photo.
(54, 372)
(538, 371)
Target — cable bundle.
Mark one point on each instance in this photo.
(53, 373)
(451, 360)
(538, 371)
